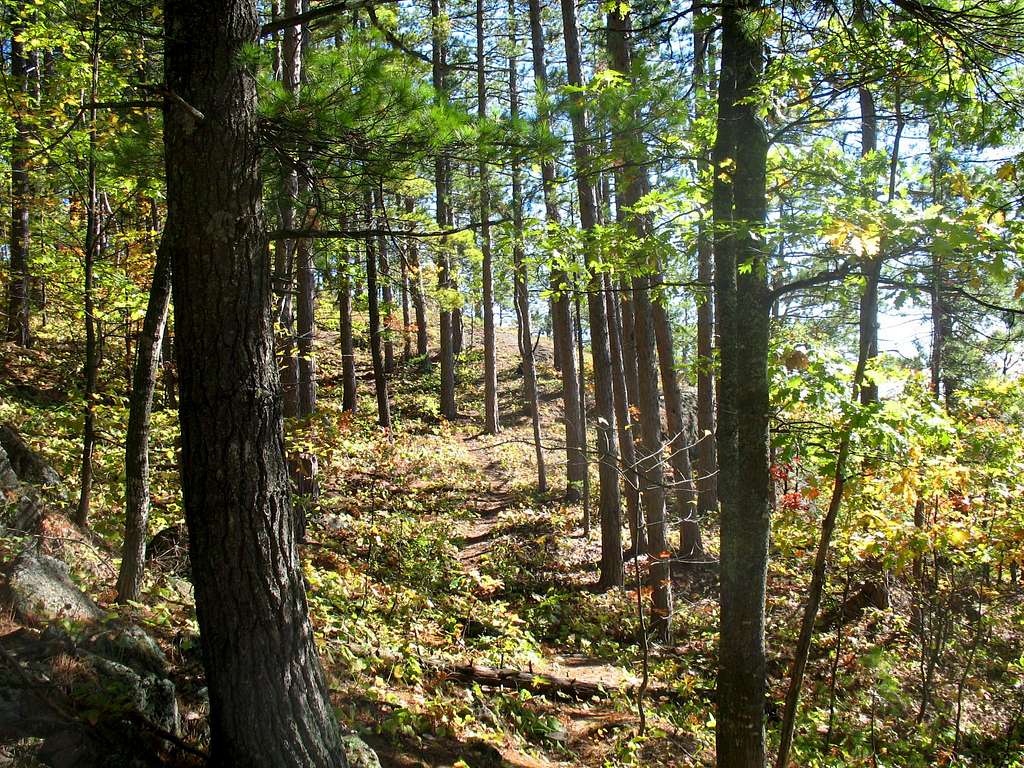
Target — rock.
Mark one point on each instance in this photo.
(117, 690)
(8, 477)
(358, 753)
(27, 464)
(132, 646)
(39, 590)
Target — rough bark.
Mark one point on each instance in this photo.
(607, 448)
(561, 321)
(269, 703)
(744, 305)
(136, 452)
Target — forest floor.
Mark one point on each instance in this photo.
(436, 571)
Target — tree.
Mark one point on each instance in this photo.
(23, 66)
(136, 449)
(269, 702)
(607, 449)
(561, 321)
(492, 423)
(739, 207)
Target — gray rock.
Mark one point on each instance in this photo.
(130, 645)
(358, 753)
(29, 466)
(8, 477)
(39, 590)
(120, 689)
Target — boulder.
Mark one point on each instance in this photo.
(8, 477)
(130, 645)
(29, 466)
(39, 590)
(358, 753)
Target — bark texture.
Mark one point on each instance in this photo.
(269, 702)
(740, 153)
(22, 64)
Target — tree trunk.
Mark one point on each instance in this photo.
(22, 66)
(608, 454)
(627, 429)
(387, 291)
(631, 185)
(349, 398)
(492, 424)
(442, 170)
(744, 304)
(707, 455)
(380, 381)
(287, 254)
(269, 703)
(136, 454)
(403, 256)
(561, 321)
(521, 293)
(92, 244)
(419, 305)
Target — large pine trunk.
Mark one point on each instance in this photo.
(741, 287)
(607, 448)
(136, 449)
(269, 703)
(561, 321)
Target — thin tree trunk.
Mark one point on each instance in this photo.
(627, 429)
(386, 290)
(349, 396)
(269, 702)
(92, 240)
(419, 305)
(492, 424)
(744, 305)
(288, 254)
(707, 455)
(819, 573)
(136, 453)
(403, 256)
(22, 65)
(607, 449)
(561, 321)
(521, 293)
(442, 170)
(380, 382)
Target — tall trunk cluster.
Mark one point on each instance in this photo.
(561, 322)
(607, 442)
